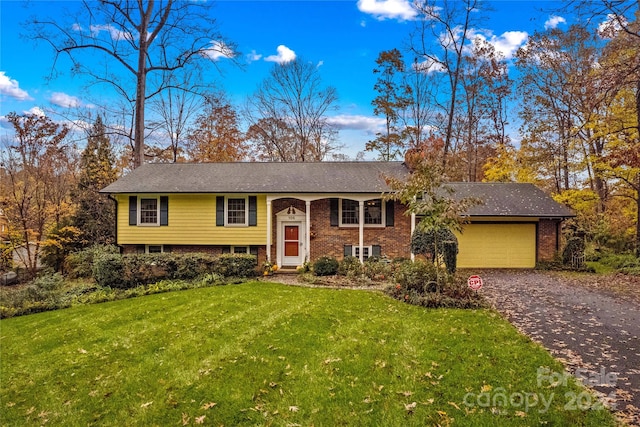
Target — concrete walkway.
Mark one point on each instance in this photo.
(593, 331)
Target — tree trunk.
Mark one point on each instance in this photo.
(141, 85)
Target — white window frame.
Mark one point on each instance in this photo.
(146, 249)
(232, 250)
(149, 224)
(383, 214)
(246, 211)
(368, 250)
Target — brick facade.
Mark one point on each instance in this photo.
(330, 240)
(548, 239)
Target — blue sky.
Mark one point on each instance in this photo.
(343, 38)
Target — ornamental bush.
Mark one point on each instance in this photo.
(80, 264)
(415, 287)
(108, 270)
(350, 266)
(235, 265)
(325, 266)
(418, 276)
(424, 243)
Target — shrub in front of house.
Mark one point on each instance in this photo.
(80, 264)
(128, 271)
(377, 269)
(108, 270)
(325, 266)
(350, 266)
(418, 276)
(416, 284)
(439, 244)
(235, 265)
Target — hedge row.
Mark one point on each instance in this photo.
(129, 271)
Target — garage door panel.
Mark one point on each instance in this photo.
(497, 246)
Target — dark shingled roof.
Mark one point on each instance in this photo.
(500, 199)
(510, 199)
(248, 177)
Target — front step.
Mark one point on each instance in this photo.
(287, 270)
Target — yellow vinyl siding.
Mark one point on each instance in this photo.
(192, 221)
(497, 246)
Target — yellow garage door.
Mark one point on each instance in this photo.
(497, 246)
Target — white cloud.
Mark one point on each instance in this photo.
(320, 64)
(357, 122)
(11, 87)
(36, 111)
(253, 56)
(554, 21)
(63, 100)
(218, 50)
(388, 9)
(507, 43)
(611, 26)
(428, 66)
(114, 33)
(284, 55)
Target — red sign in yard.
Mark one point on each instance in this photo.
(475, 282)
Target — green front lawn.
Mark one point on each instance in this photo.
(269, 354)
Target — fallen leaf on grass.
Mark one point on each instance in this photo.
(200, 420)
(144, 405)
(454, 405)
(185, 419)
(209, 405)
(410, 406)
(82, 350)
(293, 409)
(520, 414)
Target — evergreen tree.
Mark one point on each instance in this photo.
(394, 96)
(95, 216)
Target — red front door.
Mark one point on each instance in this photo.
(291, 241)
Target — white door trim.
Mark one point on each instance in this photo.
(290, 216)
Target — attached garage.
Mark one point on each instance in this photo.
(515, 226)
(497, 245)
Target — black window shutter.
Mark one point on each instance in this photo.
(253, 210)
(164, 210)
(333, 212)
(389, 213)
(347, 250)
(226, 249)
(140, 249)
(133, 210)
(219, 211)
(376, 250)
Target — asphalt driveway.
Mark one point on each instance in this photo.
(595, 332)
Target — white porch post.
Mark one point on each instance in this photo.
(307, 239)
(269, 230)
(361, 229)
(413, 228)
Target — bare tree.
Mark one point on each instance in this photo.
(175, 108)
(418, 118)
(136, 40)
(440, 39)
(293, 94)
